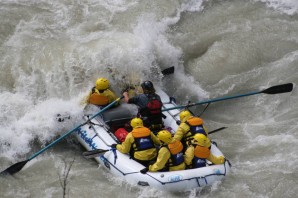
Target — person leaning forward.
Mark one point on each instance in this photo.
(170, 155)
(189, 126)
(198, 152)
(149, 104)
(140, 143)
(100, 94)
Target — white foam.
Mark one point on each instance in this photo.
(289, 7)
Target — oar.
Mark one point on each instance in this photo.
(278, 89)
(216, 130)
(95, 153)
(18, 166)
(168, 71)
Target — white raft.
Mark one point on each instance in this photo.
(98, 134)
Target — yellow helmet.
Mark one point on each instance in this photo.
(200, 139)
(164, 136)
(102, 84)
(136, 122)
(184, 115)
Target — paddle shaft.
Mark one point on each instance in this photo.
(211, 101)
(18, 166)
(216, 130)
(284, 88)
(75, 129)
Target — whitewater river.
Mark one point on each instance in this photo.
(52, 51)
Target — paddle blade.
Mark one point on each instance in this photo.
(14, 168)
(168, 71)
(279, 89)
(94, 153)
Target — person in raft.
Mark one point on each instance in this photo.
(149, 104)
(100, 94)
(140, 143)
(170, 155)
(189, 126)
(198, 152)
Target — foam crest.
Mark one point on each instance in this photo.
(37, 124)
(289, 7)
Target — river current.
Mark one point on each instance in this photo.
(53, 51)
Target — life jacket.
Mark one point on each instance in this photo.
(200, 155)
(195, 126)
(154, 105)
(153, 111)
(142, 138)
(121, 134)
(97, 98)
(176, 150)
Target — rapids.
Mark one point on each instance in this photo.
(53, 51)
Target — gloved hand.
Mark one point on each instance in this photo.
(188, 143)
(221, 159)
(144, 170)
(114, 146)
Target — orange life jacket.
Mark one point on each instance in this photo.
(142, 138)
(176, 150)
(201, 152)
(195, 126)
(200, 156)
(97, 98)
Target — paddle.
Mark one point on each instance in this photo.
(168, 71)
(18, 166)
(95, 153)
(278, 89)
(216, 130)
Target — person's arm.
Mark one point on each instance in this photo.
(206, 130)
(181, 131)
(189, 155)
(216, 160)
(155, 139)
(162, 159)
(126, 97)
(111, 95)
(125, 146)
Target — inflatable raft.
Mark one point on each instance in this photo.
(99, 134)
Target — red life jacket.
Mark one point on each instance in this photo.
(154, 105)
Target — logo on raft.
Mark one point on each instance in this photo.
(217, 171)
(89, 141)
(175, 178)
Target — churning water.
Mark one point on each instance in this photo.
(53, 51)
